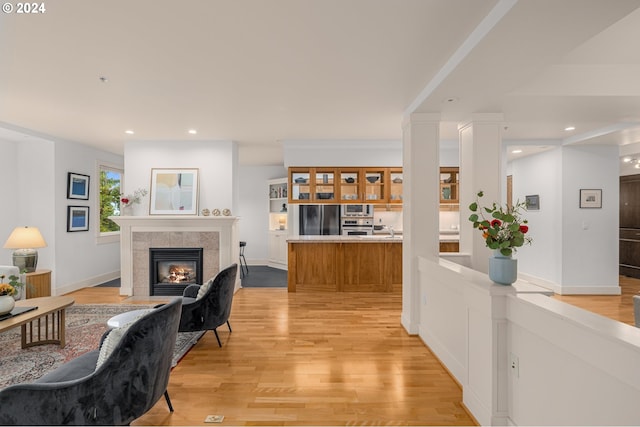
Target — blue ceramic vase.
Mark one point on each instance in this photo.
(503, 270)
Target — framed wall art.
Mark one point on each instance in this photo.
(77, 218)
(532, 202)
(174, 192)
(77, 186)
(590, 198)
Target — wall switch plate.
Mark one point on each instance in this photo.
(214, 419)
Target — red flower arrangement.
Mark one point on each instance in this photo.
(506, 230)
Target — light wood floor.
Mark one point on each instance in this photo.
(617, 307)
(320, 359)
(307, 359)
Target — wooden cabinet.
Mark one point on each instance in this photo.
(375, 185)
(348, 266)
(278, 249)
(449, 247)
(38, 284)
(449, 191)
(278, 222)
(313, 185)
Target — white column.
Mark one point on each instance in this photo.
(421, 169)
(481, 168)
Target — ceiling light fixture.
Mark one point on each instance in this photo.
(632, 161)
(103, 79)
(516, 151)
(569, 128)
(193, 131)
(129, 132)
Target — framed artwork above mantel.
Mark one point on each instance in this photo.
(174, 192)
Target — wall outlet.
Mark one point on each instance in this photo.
(514, 364)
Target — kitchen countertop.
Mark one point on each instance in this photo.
(344, 239)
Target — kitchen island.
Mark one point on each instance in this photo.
(370, 263)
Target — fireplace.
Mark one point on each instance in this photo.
(173, 269)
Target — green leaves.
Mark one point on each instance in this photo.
(501, 227)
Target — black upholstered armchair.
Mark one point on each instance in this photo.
(128, 382)
(212, 307)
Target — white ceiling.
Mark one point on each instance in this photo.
(262, 71)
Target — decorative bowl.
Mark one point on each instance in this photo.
(397, 180)
(300, 180)
(372, 179)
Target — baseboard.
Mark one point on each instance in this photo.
(86, 283)
(571, 290)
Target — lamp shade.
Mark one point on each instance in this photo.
(25, 238)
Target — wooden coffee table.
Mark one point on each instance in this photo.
(44, 325)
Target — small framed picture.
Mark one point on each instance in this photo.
(590, 198)
(532, 202)
(174, 192)
(78, 186)
(77, 218)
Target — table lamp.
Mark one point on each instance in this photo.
(24, 240)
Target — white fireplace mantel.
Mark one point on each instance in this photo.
(226, 226)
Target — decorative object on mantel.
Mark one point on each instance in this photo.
(503, 233)
(226, 212)
(206, 212)
(174, 192)
(216, 212)
(133, 202)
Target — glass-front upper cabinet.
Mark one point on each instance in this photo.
(449, 185)
(299, 185)
(375, 184)
(324, 185)
(395, 184)
(312, 185)
(351, 185)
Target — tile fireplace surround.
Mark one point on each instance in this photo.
(216, 235)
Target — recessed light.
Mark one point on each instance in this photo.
(626, 159)
(193, 131)
(637, 166)
(516, 151)
(129, 132)
(570, 128)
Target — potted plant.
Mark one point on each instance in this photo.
(504, 230)
(7, 291)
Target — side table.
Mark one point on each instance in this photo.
(38, 284)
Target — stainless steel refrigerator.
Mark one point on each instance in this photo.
(319, 220)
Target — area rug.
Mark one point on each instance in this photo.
(85, 326)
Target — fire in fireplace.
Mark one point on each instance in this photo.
(173, 269)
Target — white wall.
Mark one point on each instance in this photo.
(541, 175)
(253, 209)
(590, 236)
(11, 196)
(216, 161)
(342, 153)
(35, 172)
(79, 259)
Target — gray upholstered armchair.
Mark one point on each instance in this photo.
(129, 380)
(208, 306)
